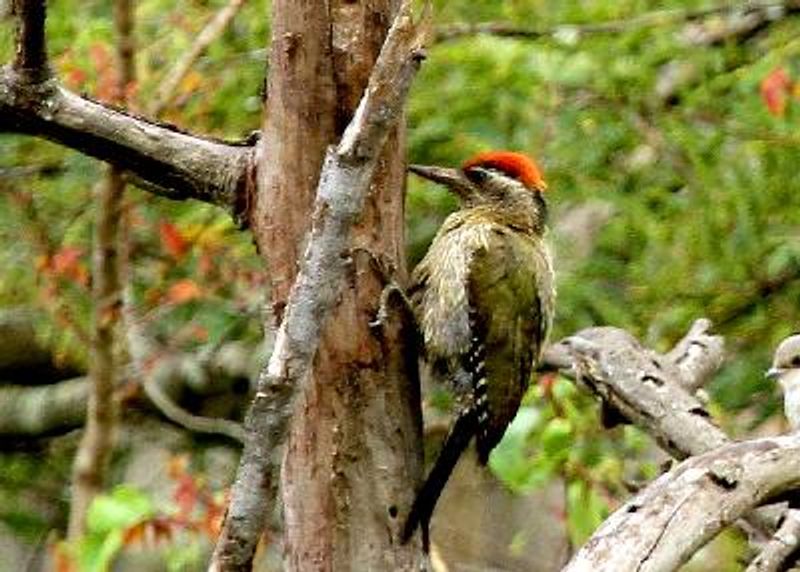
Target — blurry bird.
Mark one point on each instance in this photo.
(484, 298)
(786, 370)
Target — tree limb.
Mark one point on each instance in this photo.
(157, 157)
(343, 185)
(154, 368)
(43, 410)
(646, 387)
(93, 457)
(660, 528)
(32, 411)
(650, 390)
(775, 553)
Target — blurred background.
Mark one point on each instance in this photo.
(668, 135)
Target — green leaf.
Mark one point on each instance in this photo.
(124, 507)
(557, 437)
(97, 553)
(586, 511)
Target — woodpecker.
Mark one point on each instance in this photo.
(786, 370)
(483, 297)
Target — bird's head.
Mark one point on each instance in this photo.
(503, 180)
(487, 176)
(786, 363)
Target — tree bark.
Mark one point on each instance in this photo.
(353, 452)
(660, 528)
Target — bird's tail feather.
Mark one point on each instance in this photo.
(456, 441)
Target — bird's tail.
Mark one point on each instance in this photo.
(456, 441)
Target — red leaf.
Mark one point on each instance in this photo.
(775, 88)
(172, 240)
(67, 264)
(183, 291)
(186, 495)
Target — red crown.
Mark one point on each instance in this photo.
(516, 165)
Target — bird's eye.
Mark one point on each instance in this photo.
(796, 361)
(477, 176)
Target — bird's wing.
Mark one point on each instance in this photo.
(509, 326)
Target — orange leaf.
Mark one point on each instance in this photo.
(75, 78)
(775, 88)
(162, 529)
(66, 260)
(172, 240)
(183, 291)
(62, 560)
(177, 466)
(133, 534)
(67, 263)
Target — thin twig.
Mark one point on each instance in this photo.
(92, 460)
(147, 357)
(215, 27)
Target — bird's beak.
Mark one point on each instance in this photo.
(453, 179)
(773, 373)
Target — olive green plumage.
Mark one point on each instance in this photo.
(484, 298)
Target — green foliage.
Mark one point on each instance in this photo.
(108, 518)
(703, 187)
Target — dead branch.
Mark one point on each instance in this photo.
(32, 411)
(156, 156)
(660, 528)
(646, 387)
(774, 554)
(698, 355)
(652, 391)
(343, 185)
(39, 411)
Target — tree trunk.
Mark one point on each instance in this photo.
(353, 454)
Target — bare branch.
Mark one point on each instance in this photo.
(644, 386)
(774, 554)
(30, 61)
(43, 410)
(650, 390)
(750, 12)
(166, 161)
(662, 527)
(698, 355)
(343, 185)
(55, 408)
(168, 86)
